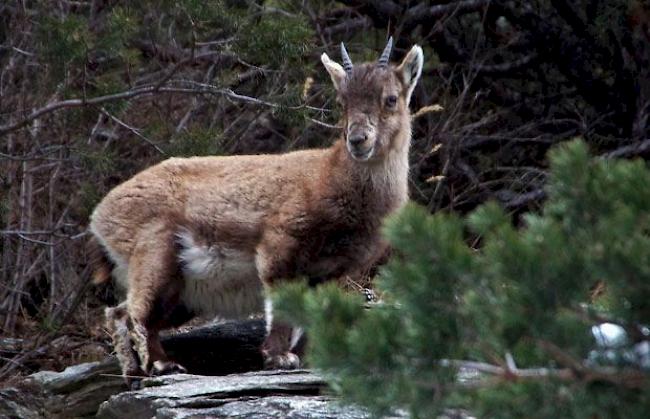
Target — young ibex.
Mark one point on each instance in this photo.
(206, 235)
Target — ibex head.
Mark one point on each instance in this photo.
(375, 98)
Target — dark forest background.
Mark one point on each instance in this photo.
(93, 91)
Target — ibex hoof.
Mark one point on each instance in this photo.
(167, 368)
(286, 361)
(134, 383)
(133, 377)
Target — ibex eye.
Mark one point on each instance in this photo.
(391, 101)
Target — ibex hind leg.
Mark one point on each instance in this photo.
(117, 323)
(151, 352)
(154, 290)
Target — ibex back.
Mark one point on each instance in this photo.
(207, 235)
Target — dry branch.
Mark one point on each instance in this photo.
(632, 150)
(423, 12)
(195, 88)
(510, 372)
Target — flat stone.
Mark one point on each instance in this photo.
(190, 391)
(227, 348)
(21, 402)
(289, 407)
(76, 376)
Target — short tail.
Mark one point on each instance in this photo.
(99, 262)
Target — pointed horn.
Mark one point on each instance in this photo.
(385, 56)
(347, 62)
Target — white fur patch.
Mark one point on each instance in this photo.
(268, 314)
(296, 334)
(393, 179)
(219, 281)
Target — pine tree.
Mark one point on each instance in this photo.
(512, 328)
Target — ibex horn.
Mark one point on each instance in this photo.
(385, 56)
(347, 62)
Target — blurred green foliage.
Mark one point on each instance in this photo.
(64, 43)
(97, 162)
(121, 25)
(275, 40)
(198, 142)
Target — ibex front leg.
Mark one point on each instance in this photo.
(272, 258)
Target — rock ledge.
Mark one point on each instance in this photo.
(263, 394)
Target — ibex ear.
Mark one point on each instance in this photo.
(410, 69)
(336, 71)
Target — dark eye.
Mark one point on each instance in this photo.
(391, 101)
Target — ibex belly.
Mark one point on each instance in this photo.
(219, 281)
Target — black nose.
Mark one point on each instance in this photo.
(357, 138)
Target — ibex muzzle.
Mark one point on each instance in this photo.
(361, 137)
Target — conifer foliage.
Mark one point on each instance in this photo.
(511, 326)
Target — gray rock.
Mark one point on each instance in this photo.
(75, 392)
(77, 376)
(21, 402)
(164, 396)
(289, 407)
(80, 390)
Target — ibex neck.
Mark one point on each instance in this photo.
(382, 184)
(389, 177)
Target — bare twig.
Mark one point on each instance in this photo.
(507, 373)
(538, 194)
(631, 150)
(76, 103)
(211, 89)
(423, 12)
(325, 124)
(509, 67)
(348, 26)
(135, 131)
(624, 377)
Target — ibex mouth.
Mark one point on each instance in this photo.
(361, 155)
